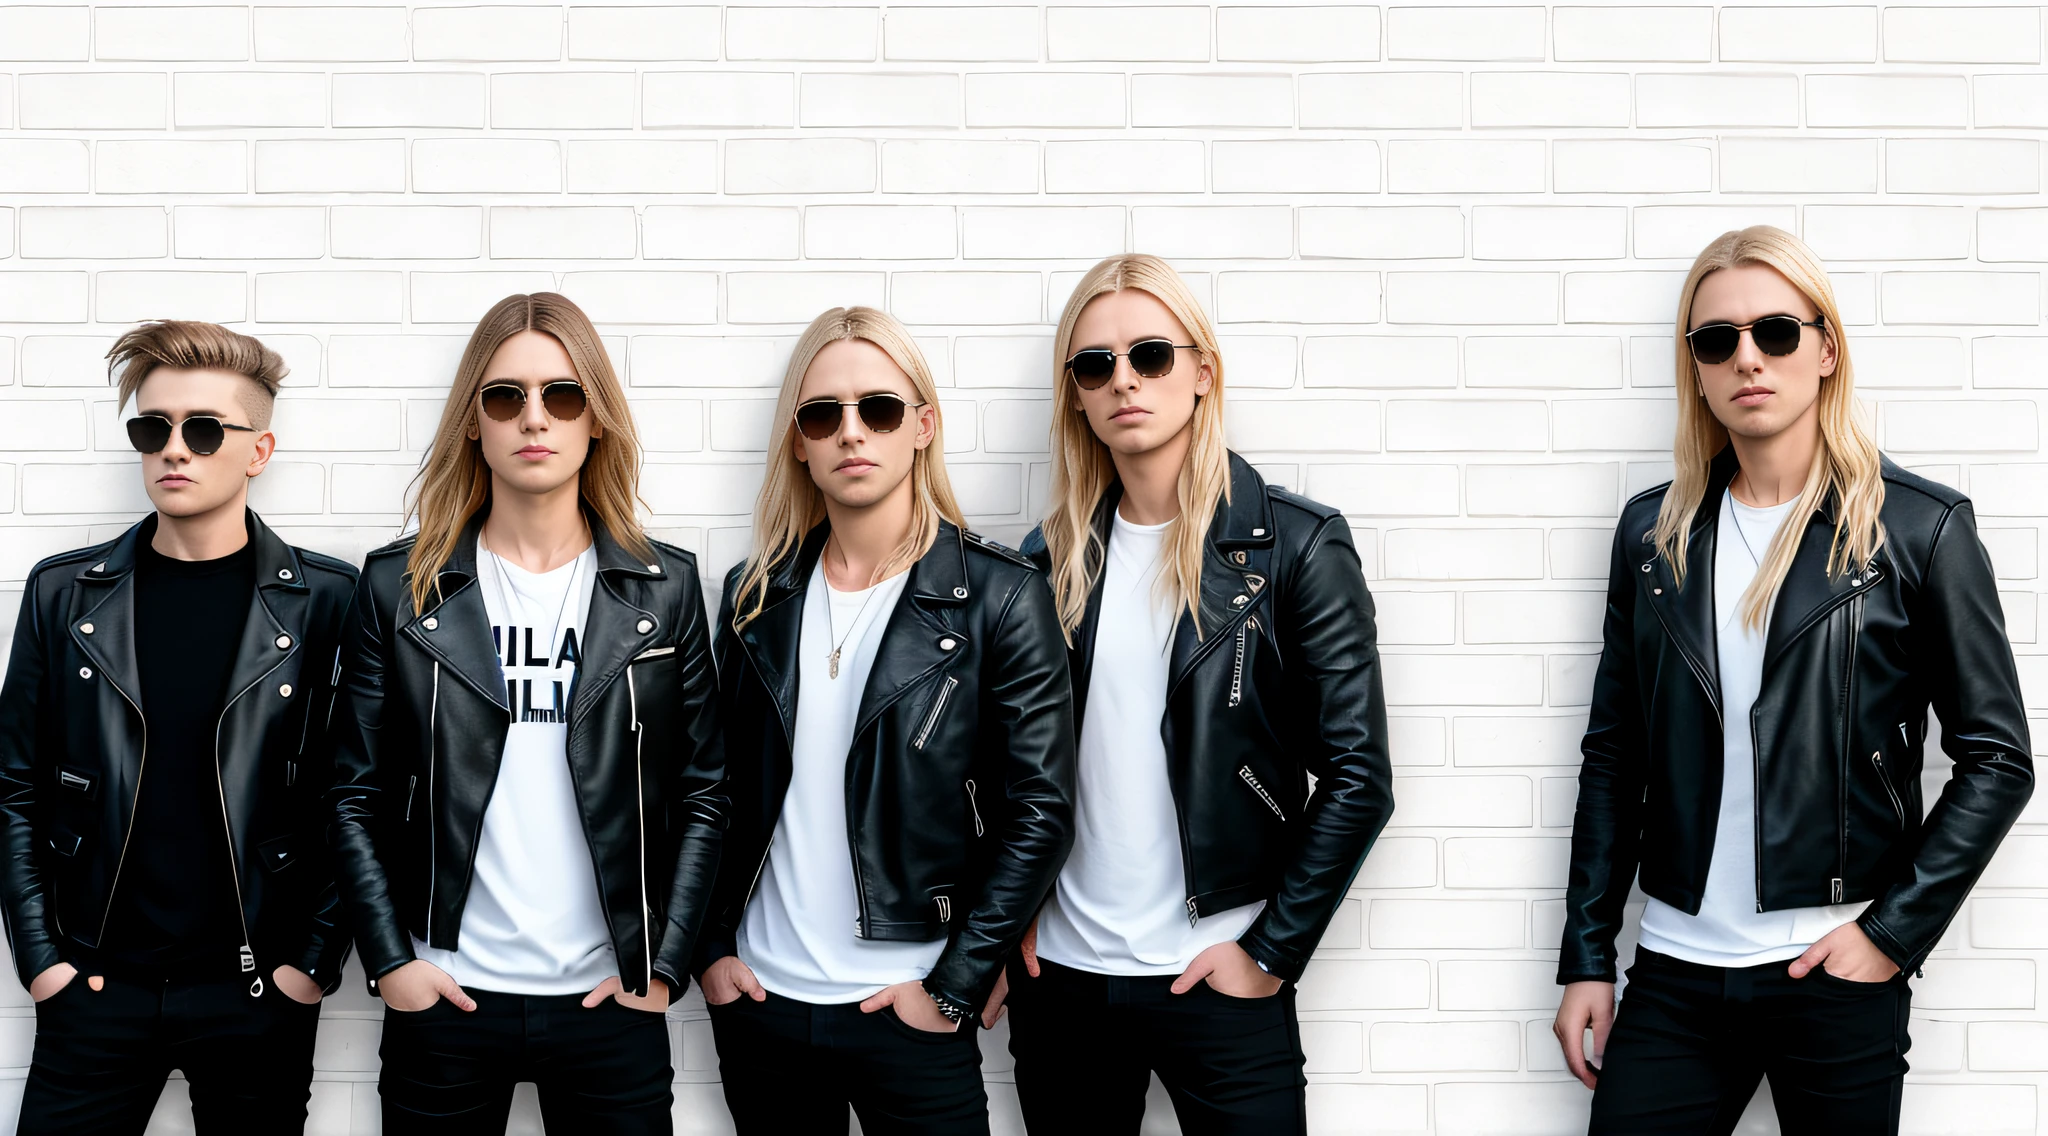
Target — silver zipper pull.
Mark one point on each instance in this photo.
(248, 959)
(1193, 916)
(1835, 889)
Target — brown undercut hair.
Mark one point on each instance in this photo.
(195, 345)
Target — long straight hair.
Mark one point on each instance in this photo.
(791, 504)
(1846, 466)
(1082, 469)
(454, 483)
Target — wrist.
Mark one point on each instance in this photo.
(954, 1011)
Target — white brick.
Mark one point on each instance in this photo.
(1888, 232)
(1953, 34)
(1200, 232)
(1319, 34)
(1400, 861)
(1365, 984)
(2012, 100)
(941, 166)
(965, 297)
(93, 233)
(1465, 33)
(1472, 297)
(1962, 165)
(1419, 1047)
(719, 232)
(669, 425)
(1613, 424)
(1799, 165)
(245, 98)
(393, 360)
(1799, 34)
(1549, 232)
(1382, 232)
(1695, 99)
(1298, 297)
(1120, 34)
(1533, 617)
(1304, 426)
(676, 360)
(2014, 490)
(1262, 361)
(1136, 166)
(827, 33)
(409, 98)
(642, 166)
(1621, 297)
(68, 361)
(1557, 1108)
(1464, 166)
(340, 424)
(620, 296)
(1990, 1110)
(103, 101)
(1887, 100)
(869, 99)
(487, 165)
(2007, 361)
(344, 165)
(329, 297)
(1494, 741)
(725, 98)
(1054, 100)
(46, 33)
(44, 165)
(1971, 984)
(1420, 100)
(1445, 924)
(987, 489)
(1416, 618)
(1979, 426)
(1002, 361)
(43, 426)
(563, 100)
(1506, 862)
(150, 165)
(1212, 100)
(880, 232)
(594, 232)
(82, 489)
(487, 33)
(643, 33)
(1613, 35)
(194, 33)
(1429, 425)
(1536, 98)
(128, 297)
(1277, 166)
(1679, 232)
(982, 35)
(1034, 232)
(1380, 361)
(395, 232)
(331, 35)
(1467, 554)
(1631, 166)
(1578, 362)
(800, 165)
(796, 297)
(2012, 234)
(1962, 297)
(1465, 800)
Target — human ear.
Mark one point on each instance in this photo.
(1827, 352)
(927, 425)
(266, 445)
(1205, 377)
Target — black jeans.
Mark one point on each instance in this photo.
(102, 1056)
(793, 1067)
(1086, 1045)
(599, 1070)
(1690, 1043)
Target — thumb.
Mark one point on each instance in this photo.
(747, 984)
(1197, 970)
(884, 997)
(1029, 948)
(1804, 964)
(605, 989)
(452, 990)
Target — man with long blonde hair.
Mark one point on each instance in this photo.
(901, 741)
(527, 808)
(1223, 652)
(1780, 618)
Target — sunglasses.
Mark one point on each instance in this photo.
(1773, 335)
(820, 418)
(204, 434)
(1150, 358)
(564, 400)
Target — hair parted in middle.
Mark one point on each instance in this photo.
(1846, 466)
(454, 482)
(791, 504)
(1082, 469)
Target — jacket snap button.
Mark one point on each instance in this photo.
(430, 623)
(283, 642)
(284, 573)
(959, 593)
(654, 568)
(285, 691)
(85, 628)
(947, 644)
(1240, 601)
(1646, 567)
(644, 626)
(85, 672)
(1258, 532)
(1656, 591)
(1239, 557)
(1857, 582)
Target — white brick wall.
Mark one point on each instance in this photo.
(1442, 241)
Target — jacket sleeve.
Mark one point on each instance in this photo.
(695, 792)
(364, 796)
(1330, 645)
(717, 936)
(1027, 715)
(1958, 636)
(1607, 828)
(327, 939)
(21, 708)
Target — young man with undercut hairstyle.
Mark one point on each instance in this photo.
(164, 871)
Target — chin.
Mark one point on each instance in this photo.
(181, 502)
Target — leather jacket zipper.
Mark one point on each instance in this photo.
(433, 714)
(640, 816)
(974, 807)
(1249, 778)
(938, 707)
(141, 765)
(1237, 668)
(1837, 885)
(412, 785)
(248, 953)
(1898, 806)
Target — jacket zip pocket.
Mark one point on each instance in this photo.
(412, 786)
(433, 715)
(1898, 806)
(938, 707)
(1836, 886)
(974, 807)
(1237, 668)
(1249, 778)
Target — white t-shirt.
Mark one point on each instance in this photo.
(799, 935)
(533, 923)
(1729, 931)
(1120, 905)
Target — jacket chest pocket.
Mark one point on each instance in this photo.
(935, 711)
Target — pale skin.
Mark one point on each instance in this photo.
(199, 499)
(864, 476)
(1147, 426)
(536, 522)
(1771, 407)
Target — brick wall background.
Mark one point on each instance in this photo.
(1443, 243)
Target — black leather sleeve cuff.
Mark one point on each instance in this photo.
(1271, 958)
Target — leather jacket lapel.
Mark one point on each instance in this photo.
(1230, 589)
(1687, 613)
(1081, 657)
(1809, 591)
(772, 638)
(616, 628)
(457, 630)
(917, 639)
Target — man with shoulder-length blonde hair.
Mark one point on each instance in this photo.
(895, 697)
(168, 893)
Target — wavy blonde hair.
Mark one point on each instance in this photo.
(791, 504)
(1846, 467)
(1081, 467)
(454, 483)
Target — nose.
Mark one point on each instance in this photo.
(852, 430)
(175, 450)
(1747, 359)
(1125, 376)
(534, 418)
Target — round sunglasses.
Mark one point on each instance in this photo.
(204, 434)
(1092, 368)
(881, 412)
(564, 400)
(1773, 335)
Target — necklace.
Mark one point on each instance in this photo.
(832, 632)
(1737, 518)
(505, 593)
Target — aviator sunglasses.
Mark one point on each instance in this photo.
(881, 412)
(204, 434)
(564, 400)
(1092, 368)
(1773, 335)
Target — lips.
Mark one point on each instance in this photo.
(1129, 414)
(1752, 396)
(535, 453)
(855, 465)
(174, 479)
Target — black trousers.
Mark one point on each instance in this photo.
(1086, 1045)
(102, 1056)
(1690, 1043)
(604, 1069)
(791, 1069)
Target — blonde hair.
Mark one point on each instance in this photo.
(1081, 467)
(454, 483)
(192, 344)
(791, 504)
(1846, 467)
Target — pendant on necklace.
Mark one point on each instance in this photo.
(832, 664)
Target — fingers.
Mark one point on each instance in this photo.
(97, 983)
(1804, 964)
(747, 984)
(1029, 948)
(993, 1012)
(605, 989)
(885, 997)
(1197, 970)
(1571, 1038)
(448, 988)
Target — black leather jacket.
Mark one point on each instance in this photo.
(1851, 665)
(1283, 684)
(420, 730)
(73, 744)
(960, 779)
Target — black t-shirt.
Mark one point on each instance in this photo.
(175, 904)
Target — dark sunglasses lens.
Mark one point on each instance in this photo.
(149, 434)
(1714, 343)
(818, 420)
(1151, 358)
(881, 413)
(204, 435)
(565, 402)
(503, 402)
(1092, 368)
(1778, 335)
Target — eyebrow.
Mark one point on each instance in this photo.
(220, 414)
